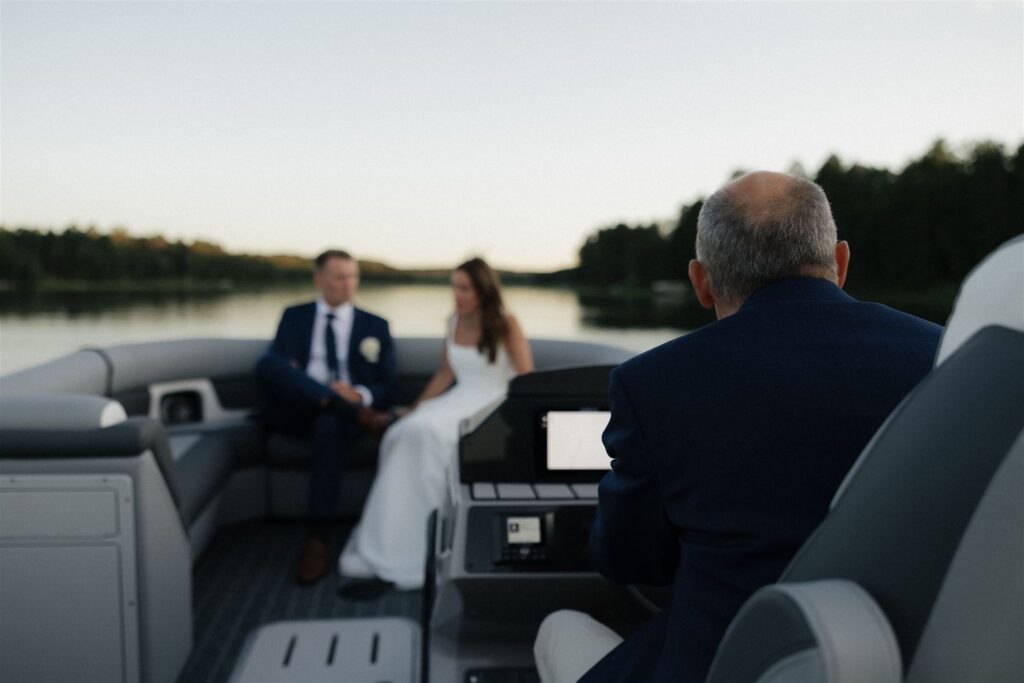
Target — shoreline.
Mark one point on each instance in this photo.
(933, 303)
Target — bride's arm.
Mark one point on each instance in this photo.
(441, 380)
(518, 348)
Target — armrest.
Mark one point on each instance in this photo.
(59, 411)
(124, 440)
(830, 631)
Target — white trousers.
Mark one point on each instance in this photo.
(569, 643)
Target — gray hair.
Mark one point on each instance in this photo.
(744, 246)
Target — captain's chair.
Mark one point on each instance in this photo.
(917, 573)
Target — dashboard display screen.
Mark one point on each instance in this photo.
(574, 439)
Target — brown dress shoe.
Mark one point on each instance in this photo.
(313, 564)
(374, 422)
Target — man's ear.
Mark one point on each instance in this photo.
(842, 262)
(699, 280)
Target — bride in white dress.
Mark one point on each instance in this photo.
(483, 350)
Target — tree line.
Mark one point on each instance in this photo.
(923, 227)
(29, 257)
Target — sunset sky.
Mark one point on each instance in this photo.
(421, 133)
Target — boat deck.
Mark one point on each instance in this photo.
(245, 579)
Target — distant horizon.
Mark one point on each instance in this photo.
(435, 267)
(418, 134)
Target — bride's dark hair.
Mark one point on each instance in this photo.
(493, 327)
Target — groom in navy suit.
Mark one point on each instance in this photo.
(329, 366)
(728, 443)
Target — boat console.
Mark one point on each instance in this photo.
(510, 545)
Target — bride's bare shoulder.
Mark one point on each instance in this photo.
(513, 328)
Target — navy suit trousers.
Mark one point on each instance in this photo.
(295, 408)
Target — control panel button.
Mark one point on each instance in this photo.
(553, 492)
(484, 490)
(516, 492)
(585, 491)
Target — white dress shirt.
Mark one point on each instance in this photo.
(317, 368)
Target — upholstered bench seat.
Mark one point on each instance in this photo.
(204, 463)
(293, 452)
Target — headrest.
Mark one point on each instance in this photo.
(59, 412)
(991, 294)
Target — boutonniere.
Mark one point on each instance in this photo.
(369, 349)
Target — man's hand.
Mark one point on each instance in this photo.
(345, 390)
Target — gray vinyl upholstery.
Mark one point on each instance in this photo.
(993, 293)
(203, 470)
(138, 365)
(126, 439)
(58, 411)
(980, 606)
(81, 372)
(158, 564)
(828, 630)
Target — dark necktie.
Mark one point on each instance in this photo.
(332, 349)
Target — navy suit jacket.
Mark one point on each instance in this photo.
(728, 445)
(295, 335)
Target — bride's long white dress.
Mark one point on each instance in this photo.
(415, 454)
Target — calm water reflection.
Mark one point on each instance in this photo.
(35, 328)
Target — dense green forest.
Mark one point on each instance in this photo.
(84, 259)
(88, 259)
(917, 230)
(913, 233)
(29, 258)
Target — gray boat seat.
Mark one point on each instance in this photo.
(78, 427)
(830, 631)
(925, 537)
(993, 294)
(203, 463)
(59, 412)
(94, 557)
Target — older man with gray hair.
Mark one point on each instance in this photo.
(728, 443)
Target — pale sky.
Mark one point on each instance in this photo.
(421, 133)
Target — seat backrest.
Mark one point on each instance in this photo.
(929, 526)
(992, 294)
(125, 372)
(68, 427)
(59, 412)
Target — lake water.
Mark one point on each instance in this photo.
(36, 328)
